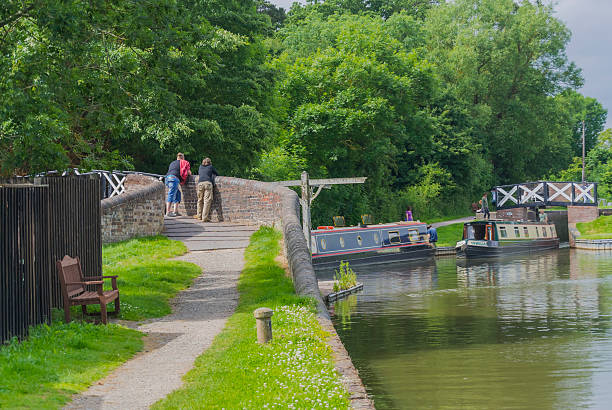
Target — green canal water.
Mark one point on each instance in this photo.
(532, 331)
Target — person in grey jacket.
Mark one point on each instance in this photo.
(206, 182)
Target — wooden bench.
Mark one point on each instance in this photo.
(75, 292)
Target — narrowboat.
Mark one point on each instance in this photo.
(400, 241)
(497, 237)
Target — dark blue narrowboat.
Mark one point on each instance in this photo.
(401, 241)
(498, 237)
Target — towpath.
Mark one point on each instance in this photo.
(173, 342)
(453, 221)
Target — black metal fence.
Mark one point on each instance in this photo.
(41, 220)
(25, 262)
(74, 221)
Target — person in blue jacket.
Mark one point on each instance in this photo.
(433, 235)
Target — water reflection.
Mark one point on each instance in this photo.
(530, 332)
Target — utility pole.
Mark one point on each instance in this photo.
(583, 150)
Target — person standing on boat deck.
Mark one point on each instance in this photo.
(485, 206)
(433, 235)
(409, 214)
(206, 182)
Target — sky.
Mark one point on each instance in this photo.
(590, 47)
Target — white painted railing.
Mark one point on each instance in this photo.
(545, 193)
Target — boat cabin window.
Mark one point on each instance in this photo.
(323, 244)
(544, 232)
(502, 232)
(475, 232)
(413, 234)
(552, 231)
(376, 239)
(517, 233)
(537, 232)
(394, 237)
(341, 242)
(526, 231)
(359, 240)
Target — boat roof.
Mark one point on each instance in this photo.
(506, 222)
(386, 225)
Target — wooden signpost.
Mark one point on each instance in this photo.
(308, 195)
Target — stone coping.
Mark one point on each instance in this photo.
(297, 252)
(133, 195)
(593, 244)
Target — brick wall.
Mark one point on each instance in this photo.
(137, 212)
(512, 214)
(581, 214)
(237, 200)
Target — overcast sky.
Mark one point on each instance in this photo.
(591, 45)
(590, 48)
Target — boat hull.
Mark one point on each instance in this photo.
(389, 255)
(483, 249)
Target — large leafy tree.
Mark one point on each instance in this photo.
(503, 60)
(108, 83)
(361, 101)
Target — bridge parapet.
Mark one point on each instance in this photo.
(545, 193)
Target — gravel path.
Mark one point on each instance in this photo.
(454, 221)
(174, 341)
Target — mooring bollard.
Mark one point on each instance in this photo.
(264, 324)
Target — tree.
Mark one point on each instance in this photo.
(361, 101)
(115, 83)
(383, 8)
(277, 14)
(598, 166)
(503, 61)
(585, 109)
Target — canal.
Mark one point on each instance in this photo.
(531, 331)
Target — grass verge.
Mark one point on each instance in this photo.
(295, 370)
(600, 228)
(449, 235)
(147, 279)
(59, 360)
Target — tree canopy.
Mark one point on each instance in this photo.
(433, 101)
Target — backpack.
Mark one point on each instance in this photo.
(185, 171)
